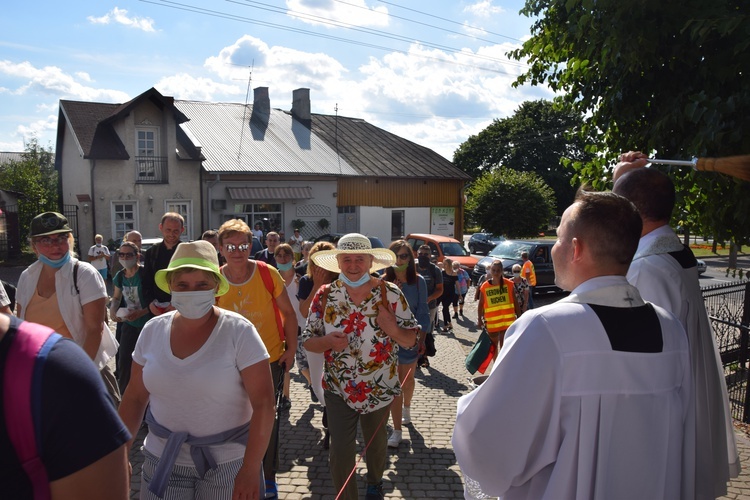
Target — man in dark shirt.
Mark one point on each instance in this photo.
(266, 255)
(157, 257)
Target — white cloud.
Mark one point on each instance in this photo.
(52, 80)
(120, 16)
(280, 68)
(351, 12)
(38, 128)
(483, 8)
(82, 75)
(187, 87)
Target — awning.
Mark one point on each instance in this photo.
(270, 193)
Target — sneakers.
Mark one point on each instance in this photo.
(406, 416)
(272, 489)
(393, 442)
(374, 492)
(455, 315)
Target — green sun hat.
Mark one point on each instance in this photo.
(195, 255)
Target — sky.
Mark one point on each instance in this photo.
(432, 71)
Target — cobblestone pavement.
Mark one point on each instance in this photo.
(423, 467)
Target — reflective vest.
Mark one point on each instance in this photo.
(528, 265)
(499, 305)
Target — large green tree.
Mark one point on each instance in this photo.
(534, 139)
(35, 179)
(669, 78)
(515, 204)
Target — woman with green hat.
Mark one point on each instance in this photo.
(203, 372)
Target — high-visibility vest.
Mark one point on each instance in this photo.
(499, 305)
(531, 277)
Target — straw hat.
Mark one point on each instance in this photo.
(354, 243)
(195, 255)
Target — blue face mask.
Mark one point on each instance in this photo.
(361, 281)
(55, 263)
(284, 267)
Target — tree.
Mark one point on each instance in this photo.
(35, 178)
(534, 139)
(516, 204)
(669, 78)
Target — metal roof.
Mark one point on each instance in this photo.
(233, 139)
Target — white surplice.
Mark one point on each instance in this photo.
(564, 416)
(662, 280)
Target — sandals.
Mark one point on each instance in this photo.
(272, 490)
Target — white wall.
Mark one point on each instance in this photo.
(376, 221)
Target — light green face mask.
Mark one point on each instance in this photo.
(402, 267)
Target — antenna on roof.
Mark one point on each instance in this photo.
(336, 134)
(244, 115)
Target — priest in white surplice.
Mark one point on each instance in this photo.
(665, 273)
(591, 396)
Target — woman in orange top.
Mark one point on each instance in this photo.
(497, 308)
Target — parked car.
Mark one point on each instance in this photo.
(701, 266)
(441, 247)
(334, 238)
(540, 253)
(483, 242)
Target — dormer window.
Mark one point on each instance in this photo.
(150, 167)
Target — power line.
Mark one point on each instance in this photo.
(233, 17)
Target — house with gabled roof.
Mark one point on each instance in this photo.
(127, 164)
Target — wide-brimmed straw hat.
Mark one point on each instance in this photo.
(195, 255)
(354, 243)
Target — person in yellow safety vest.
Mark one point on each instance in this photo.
(497, 308)
(528, 272)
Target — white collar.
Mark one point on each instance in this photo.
(613, 291)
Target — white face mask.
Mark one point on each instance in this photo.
(194, 305)
(127, 264)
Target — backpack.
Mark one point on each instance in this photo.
(22, 393)
(265, 274)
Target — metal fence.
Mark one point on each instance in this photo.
(14, 226)
(728, 307)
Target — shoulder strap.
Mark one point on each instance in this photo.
(324, 298)
(383, 293)
(22, 399)
(75, 278)
(265, 274)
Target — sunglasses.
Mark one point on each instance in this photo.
(232, 248)
(126, 255)
(50, 221)
(53, 240)
(403, 256)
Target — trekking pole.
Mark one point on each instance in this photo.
(735, 166)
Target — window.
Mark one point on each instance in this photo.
(184, 208)
(268, 215)
(123, 218)
(146, 150)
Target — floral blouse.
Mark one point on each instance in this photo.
(365, 374)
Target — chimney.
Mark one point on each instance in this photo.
(261, 101)
(301, 104)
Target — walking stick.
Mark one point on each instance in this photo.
(736, 166)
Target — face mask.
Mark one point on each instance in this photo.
(98, 244)
(55, 263)
(517, 275)
(361, 281)
(423, 260)
(402, 267)
(194, 305)
(127, 264)
(284, 267)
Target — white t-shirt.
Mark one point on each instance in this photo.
(96, 251)
(202, 394)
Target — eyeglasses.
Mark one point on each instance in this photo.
(48, 241)
(232, 248)
(126, 255)
(403, 256)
